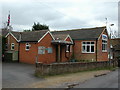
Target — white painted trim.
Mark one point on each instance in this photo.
(13, 36)
(51, 35)
(14, 46)
(45, 35)
(67, 48)
(104, 51)
(7, 34)
(27, 45)
(69, 37)
(90, 47)
(101, 33)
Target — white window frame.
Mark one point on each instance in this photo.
(27, 45)
(90, 45)
(67, 48)
(12, 45)
(104, 42)
(105, 46)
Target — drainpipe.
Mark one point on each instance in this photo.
(96, 48)
(58, 52)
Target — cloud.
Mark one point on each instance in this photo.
(60, 14)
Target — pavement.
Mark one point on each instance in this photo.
(18, 75)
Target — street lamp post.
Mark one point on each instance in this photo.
(110, 44)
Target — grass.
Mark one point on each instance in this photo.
(64, 74)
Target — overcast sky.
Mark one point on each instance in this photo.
(60, 14)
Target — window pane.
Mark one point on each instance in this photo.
(92, 48)
(83, 42)
(83, 48)
(105, 46)
(88, 48)
(88, 42)
(67, 48)
(27, 47)
(92, 42)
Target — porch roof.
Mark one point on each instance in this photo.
(62, 42)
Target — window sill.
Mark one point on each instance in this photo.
(88, 52)
(67, 51)
(104, 51)
(26, 50)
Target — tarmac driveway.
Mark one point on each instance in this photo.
(18, 75)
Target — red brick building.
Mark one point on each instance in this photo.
(42, 46)
(11, 45)
(90, 43)
(59, 46)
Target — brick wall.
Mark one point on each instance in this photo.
(59, 68)
(30, 55)
(101, 56)
(12, 40)
(47, 57)
(82, 56)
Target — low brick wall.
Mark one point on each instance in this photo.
(59, 68)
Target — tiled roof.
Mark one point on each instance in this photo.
(75, 34)
(60, 36)
(4, 32)
(61, 42)
(82, 34)
(16, 35)
(32, 36)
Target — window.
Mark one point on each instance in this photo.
(27, 46)
(49, 50)
(12, 46)
(41, 50)
(88, 47)
(104, 45)
(67, 48)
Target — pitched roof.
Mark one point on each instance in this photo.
(4, 32)
(32, 36)
(82, 34)
(59, 36)
(16, 35)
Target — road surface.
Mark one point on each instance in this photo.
(106, 81)
(18, 75)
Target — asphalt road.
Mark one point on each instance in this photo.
(18, 75)
(106, 81)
